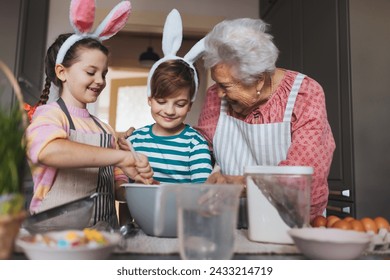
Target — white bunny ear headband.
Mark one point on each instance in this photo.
(82, 16)
(171, 42)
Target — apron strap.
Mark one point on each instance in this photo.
(65, 110)
(293, 95)
(98, 124)
(223, 108)
(61, 102)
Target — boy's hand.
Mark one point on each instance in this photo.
(122, 136)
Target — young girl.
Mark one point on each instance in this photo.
(176, 151)
(72, 153)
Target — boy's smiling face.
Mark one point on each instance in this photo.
(170, 112)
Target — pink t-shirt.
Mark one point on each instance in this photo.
(49, 123)
(312, 142)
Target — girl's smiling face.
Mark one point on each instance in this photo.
(85, 79)
(170, 112)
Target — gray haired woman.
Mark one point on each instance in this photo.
(258, 114)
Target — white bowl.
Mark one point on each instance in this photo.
(330, 244)
(42, 251)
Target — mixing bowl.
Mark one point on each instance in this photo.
(141, 200)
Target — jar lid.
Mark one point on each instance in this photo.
(267, 169)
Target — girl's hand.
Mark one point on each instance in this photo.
(138, 170)
(145, 172)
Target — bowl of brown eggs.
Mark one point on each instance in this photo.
(345, 238)
(378, 228)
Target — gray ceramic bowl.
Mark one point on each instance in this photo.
(141, 200)
(330, 243)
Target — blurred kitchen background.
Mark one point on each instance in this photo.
(342, 44)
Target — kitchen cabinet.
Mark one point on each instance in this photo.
(9, 36)
(23, 29)
(266, 5)
(32, 48)
(344, 45)
(23, 26)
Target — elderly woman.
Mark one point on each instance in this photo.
(257, 114)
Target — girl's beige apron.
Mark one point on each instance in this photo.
(238, 144)
(71, 184)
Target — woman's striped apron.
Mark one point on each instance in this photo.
(238, 144)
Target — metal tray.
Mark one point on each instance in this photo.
(72, 215)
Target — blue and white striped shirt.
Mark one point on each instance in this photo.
(182, 158)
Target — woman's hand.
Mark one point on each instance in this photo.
(218, 178)
(122, 136)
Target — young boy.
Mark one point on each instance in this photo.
(176, 151)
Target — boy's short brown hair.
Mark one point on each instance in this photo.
(170, 76)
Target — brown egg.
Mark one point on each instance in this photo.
(331, 220)
(357, 225)
(348, 219)
(369, 225)
(341, 224)
(319, 221)
(382, 223)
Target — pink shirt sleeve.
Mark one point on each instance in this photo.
(49, 123)
(312, 142)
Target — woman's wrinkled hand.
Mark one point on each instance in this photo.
(216, 178)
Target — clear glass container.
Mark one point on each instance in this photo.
(278, 200)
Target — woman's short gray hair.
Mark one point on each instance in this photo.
(244, 45)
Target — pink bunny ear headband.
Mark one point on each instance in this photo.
(82, 16)
(171, 42)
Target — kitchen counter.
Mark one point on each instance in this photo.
(298, 256)
(143, 247)
(176, 256)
